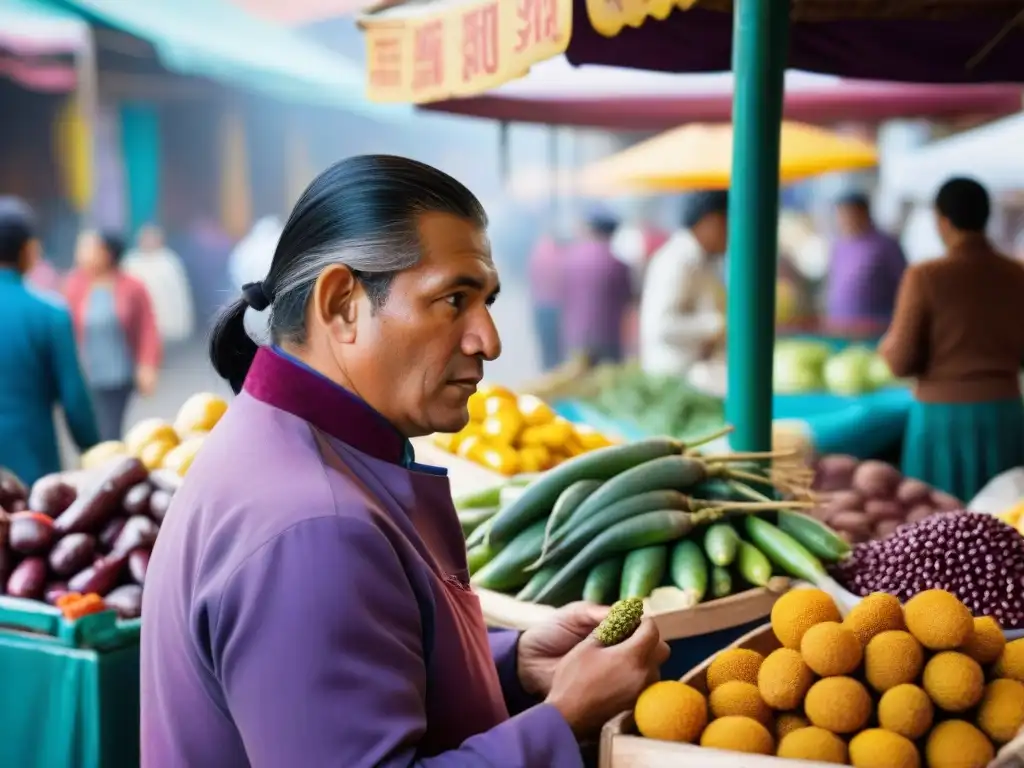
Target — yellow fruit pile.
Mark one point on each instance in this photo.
(511, 433)
(891, 686)
(161, 445)
(1014, 517)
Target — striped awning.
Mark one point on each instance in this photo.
(38, 43)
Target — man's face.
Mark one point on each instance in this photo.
(151, 239)
(419, 357)
(714, 233)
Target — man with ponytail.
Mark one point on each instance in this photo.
(308, 602)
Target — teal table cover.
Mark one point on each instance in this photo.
(69, 695)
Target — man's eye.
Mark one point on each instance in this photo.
(457, 300)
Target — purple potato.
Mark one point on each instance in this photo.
(28, 579)
(136, 501)
(54, 591)
(100, 577)
(879, 510)
(138, 532)
(138, 564)
(110, 532)
(51, 495)
(126, 600)
(12, 490)
(159, 503)
(72, 553)
(31, 533)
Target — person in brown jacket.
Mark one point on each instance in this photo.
(958, 330)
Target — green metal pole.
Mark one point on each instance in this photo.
(760, 43)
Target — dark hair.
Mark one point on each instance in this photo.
(965, 203)
(700, 204)
(362, 212)
(857, 200)
(17, 227)
(114, 244)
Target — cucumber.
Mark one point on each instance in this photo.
(572, 538)
(645, 530)
(471, 519)
(538, 580)
(485, 497)
(689, 569)
(663, 473)
(479, 534)
(718, 489)
(602, 582)
(721, 542)
(753, 565)
(819, 539)
(567, 502)
(505, 571)
(564, 594)
(643, 571)
(785, 551)
(721, 582)
(510, 493)
(600, 464)
(478, 557)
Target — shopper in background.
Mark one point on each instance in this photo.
(38, 359)
(596, 293)
(255, 649)
(682, 307)
(864, 271)
(160, 269)
(117, 332)
(958, 330)
(546, 281)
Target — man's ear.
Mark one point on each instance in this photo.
(336, 302)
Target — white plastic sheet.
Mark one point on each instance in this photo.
(1001, 493)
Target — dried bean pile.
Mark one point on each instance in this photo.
(975, 556)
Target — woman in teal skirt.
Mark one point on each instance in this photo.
(958, 329)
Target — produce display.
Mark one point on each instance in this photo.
(512, 434)
(659, 405)
(82, 540)
(889, 686)
(802, 367)
(975, 556)
(160, 445)
(864, 500)
(649, 519)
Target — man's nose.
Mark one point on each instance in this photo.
(481, 338)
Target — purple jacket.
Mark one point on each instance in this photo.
(307, 603)
(596, 292)
(864, 275)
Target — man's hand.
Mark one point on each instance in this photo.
(542, 647)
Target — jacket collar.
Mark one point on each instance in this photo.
(282, 381)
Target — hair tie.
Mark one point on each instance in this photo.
(254, 295)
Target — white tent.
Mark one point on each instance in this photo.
(992, 154)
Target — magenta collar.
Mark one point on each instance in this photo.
(280, 380)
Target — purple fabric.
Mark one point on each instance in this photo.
(307, 604)
(863, 278)
(699, 40)
(546, 273)
(596, 293)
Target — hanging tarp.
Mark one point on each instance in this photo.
(992, 154)
(214, 39)
(700, 157)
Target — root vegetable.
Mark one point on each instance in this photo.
(853, 522)
(100, 577)
(920, 512)
(879, 510)
(138, 564)
(945, 503)
(93, 508)
(849, 499)
(13, 492)
(912, 492)
(877, 480)
(138, 532)
(72, 553)
(28, 579)
(31, 533)
(51, 495)
(835, 473)
(887, 528)
(126, 600)
(110, 532)
(55, 591)
(136, 501)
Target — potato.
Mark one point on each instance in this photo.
(920, 512)
(138, 564)
(834, 473)
(12, 491)
(851, 521)
(944, 502)
(912, 492)
(28, 579)
(138, 532)
(878, 510)
(100, 577)
(887, 528)
(136, 501)
(877, 480)
(110, 532)
(72, 553)
(845, 500)
(54, 591)
(31, 533)
(51, 495)
(159, 503)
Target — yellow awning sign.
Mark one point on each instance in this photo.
(443, 49)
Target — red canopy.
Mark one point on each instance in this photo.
(557, 93)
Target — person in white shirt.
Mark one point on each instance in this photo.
(249, 263)
(160, 269)
(682, 307)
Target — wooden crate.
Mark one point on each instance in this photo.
(621, 747)
(702, 619)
